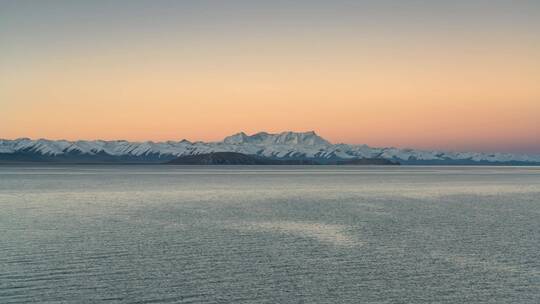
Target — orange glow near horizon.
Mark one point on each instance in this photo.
(427, 91)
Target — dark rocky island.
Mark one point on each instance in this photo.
(367, 161)
(234, 158)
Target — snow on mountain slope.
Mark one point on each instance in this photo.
(285, 138)
(282, 145)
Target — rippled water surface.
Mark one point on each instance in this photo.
(162, 234)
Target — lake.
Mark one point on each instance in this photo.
(269, 234)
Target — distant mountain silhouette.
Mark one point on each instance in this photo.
(287, 147)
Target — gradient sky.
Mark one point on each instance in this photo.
(454, 75)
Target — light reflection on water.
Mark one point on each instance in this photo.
(164, 234)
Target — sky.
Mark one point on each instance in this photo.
(446, 75)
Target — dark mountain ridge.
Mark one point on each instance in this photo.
(288, 147)
(234, 158)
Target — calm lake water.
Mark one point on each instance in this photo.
(165, 234)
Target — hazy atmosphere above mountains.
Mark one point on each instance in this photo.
(429, 75)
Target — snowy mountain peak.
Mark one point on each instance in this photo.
(309, 138)
(238, 138)
(284, 145)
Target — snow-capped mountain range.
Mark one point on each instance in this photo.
(285, 145)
